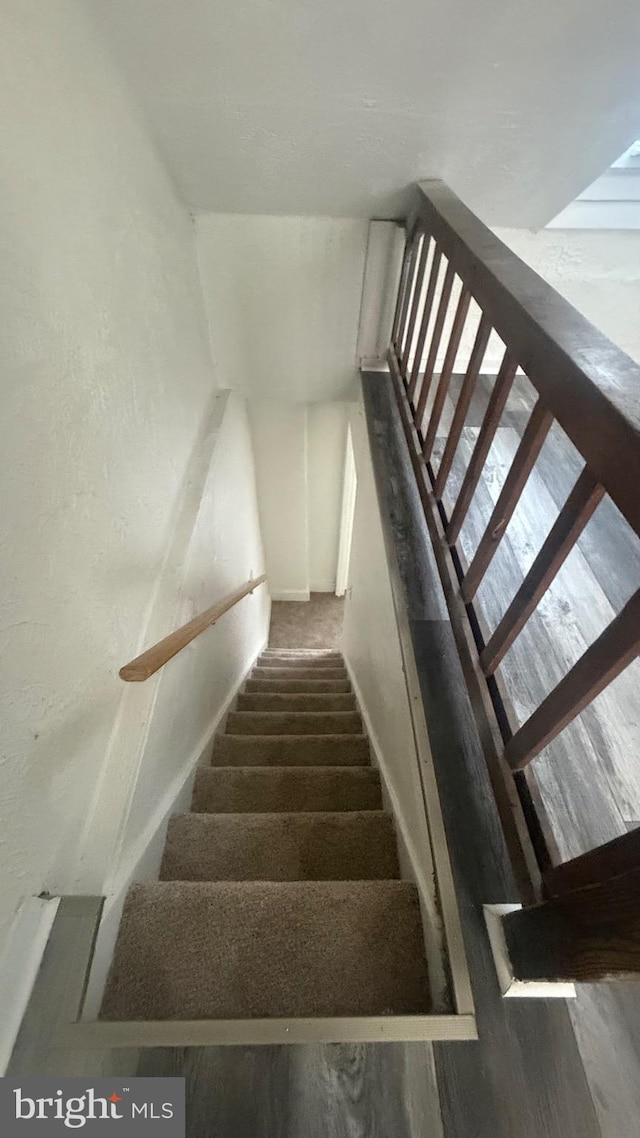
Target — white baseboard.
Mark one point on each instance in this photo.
(143, 861)
(322, 586)
(290, 595)
(19, 966)
(416, 862)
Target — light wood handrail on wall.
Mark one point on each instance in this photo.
(150, 661)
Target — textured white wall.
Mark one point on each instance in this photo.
(327, 427)
(282, 296)
(279, 432)
(598, 271)
(219, 550)
(106, 386)
(299, 454)
(295, 106)
(371, 645)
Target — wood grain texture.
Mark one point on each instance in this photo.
(603, 662)
(614, 857)
(588, 934)
(578, 509)
(331, 1091)
(446, 373)
(509, 1084)
(463, 404)
(588, 779)
(415, 302)
(582, 377)
(493, 414)
(154, 658)
(436, 336)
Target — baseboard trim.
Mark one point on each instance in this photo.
(20, 966)
(290, 595)
(422, 874)
(228, 1032)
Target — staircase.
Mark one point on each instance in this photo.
(280, 892)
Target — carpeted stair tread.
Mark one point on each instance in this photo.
(264, 789)
(262, 949)
(302, 653)
(264, 673)
(285, 686)
(290, 750)
(291, 701)
(281, 847)
(293, 723)
(304, 662)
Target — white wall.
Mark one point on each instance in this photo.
(107, 429)
(336, 108)
(371, 644)
(282, 296)
(299, 454)
(327, 426)
(217, 547)
(279, 432)
(598, 271)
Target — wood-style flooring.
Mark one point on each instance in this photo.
(337, 1091)
(588, 779)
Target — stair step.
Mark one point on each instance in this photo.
(287, 701)
(294, 723)
(263, 673)
(264, 789)
(307, 653)
(281, 847)
(297, 686)
(230, 950)
(304, 662)
(290, 750)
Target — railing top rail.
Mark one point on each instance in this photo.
(154, 658)
(589, 384)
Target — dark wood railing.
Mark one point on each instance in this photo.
(591, 389)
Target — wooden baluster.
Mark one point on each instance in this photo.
(525, 459)
(402, 284)
(415, 304)
(428, 304)
(462, 406)
(436, 336)
(573, 517)
(490, 423)
(615, 857)
(586, 935)
(607, 657)
(447, 370)
(402, 322)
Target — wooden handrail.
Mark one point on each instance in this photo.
(580, 381)
(589, 384)
(150, 661)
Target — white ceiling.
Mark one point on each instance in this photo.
(336, 106)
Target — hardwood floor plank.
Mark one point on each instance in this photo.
(338, 1091)
(510, 1084)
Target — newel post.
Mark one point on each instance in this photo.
(588, 934)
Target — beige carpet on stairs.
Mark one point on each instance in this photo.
(280, 893)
